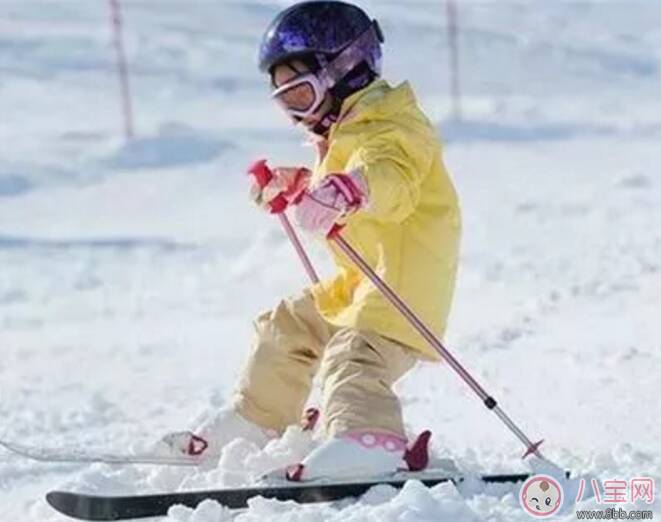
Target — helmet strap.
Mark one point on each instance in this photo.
(332, 72)
(327, 120)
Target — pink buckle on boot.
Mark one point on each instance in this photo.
(417, 454)
(196, 446)
(310, 419)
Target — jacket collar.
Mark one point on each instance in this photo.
(376, 101)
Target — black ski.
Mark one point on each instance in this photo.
(93, 507)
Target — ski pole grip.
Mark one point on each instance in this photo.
(263, 174)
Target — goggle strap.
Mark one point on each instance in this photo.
(333, 71)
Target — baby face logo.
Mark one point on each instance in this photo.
(541, 496)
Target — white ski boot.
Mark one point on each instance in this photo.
(208, 439)
(362, 453)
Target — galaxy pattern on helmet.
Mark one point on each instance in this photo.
(324, 27)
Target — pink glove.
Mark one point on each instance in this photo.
(289, 182)
(337, 196)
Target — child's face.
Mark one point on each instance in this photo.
(302, 95)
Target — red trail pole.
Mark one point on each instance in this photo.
(122, 68)
(453, 45)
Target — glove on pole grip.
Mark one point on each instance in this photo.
(263, 175)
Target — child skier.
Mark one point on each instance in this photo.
(380, 174)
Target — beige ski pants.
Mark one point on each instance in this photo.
(357, 370)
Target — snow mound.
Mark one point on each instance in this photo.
(414, 503)
(174, 145)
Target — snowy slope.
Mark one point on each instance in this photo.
(129, 273)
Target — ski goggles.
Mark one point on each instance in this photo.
(301, 96)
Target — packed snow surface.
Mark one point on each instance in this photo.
(130, 271)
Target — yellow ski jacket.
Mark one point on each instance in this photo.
(409, 234)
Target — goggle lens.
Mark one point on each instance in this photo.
(299, 97)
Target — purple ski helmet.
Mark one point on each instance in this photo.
(340, 36)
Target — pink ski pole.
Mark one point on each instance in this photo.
(298, 246)
(532, 448)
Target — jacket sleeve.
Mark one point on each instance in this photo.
(394, 171)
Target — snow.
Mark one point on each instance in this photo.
(130, 272)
